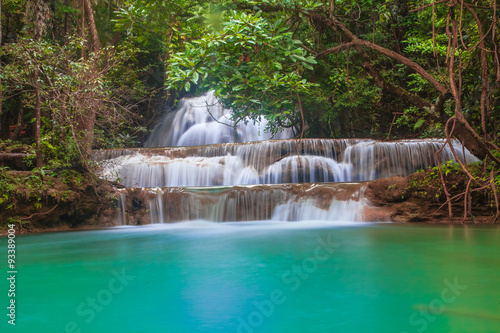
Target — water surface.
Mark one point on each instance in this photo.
(259, 277)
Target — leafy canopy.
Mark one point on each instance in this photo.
(256, 65)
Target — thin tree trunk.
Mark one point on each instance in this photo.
(66, 22)
(464, 132)
(40, 17)
(1, 90)
(94, 38)
(85, 126)
(484, 73)
(19, 125)
(82, 26)
(38, 122)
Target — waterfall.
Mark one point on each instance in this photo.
(292, 202)
(203, 121)
(121, 203)
(195, 166)
(320, 160)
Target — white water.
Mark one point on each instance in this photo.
(307, 209)
(260, 163)
(164, 177)
(333, 202)
(203, 121)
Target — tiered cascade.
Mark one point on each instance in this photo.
(273, 162)
(203, 121)
(220, 180)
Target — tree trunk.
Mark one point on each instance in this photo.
(463, 130)
(4, 126)
(94, 38)
(85, 130)
(38, 122)
(85, 121)
(1, 89)
(19, 125)
(40, 17)
(66, 22)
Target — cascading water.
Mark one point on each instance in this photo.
(266, 180)
(262, 163)
(291, 202)
(203, 121)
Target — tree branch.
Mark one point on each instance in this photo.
(335, 49)
(425, 6)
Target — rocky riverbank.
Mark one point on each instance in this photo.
(50, 201)
(78, 200)
(421, 197)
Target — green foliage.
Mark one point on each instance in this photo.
(9, 146)
(71, 177)
(255, 65)
(27, 186)
(424, 46)
(72, 88)
(31, 190)
(428, 185)
(259, 56)
(420, 122)
(5, 185)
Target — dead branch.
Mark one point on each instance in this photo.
(392, 123)
(215, 119)
(467, 201)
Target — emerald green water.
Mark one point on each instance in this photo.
(258, 277)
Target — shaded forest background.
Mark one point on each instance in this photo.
(89, 74)
(94, 74)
